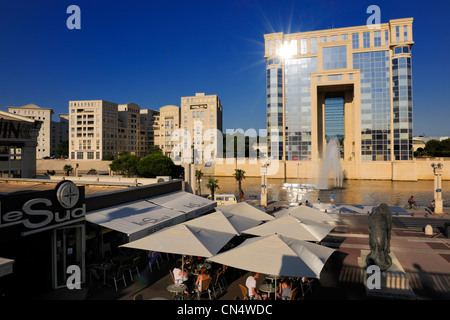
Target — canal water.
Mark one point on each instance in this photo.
(364, 192)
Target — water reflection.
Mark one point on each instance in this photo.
(366, 192)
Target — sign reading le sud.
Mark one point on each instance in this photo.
(24, 213)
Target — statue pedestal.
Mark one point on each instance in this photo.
(393, 283)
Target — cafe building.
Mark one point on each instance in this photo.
(45, 235)
(41, 233)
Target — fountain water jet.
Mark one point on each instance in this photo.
(331, 163)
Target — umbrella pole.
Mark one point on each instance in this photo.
(182, 268)
(275, 298)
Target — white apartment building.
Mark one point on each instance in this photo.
(201, 118)
(166, 129)
(147, 128)
(51, 132)
(101, 129)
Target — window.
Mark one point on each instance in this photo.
(303, 46)
(401, 50)
(355, 40)
(386, 38)
(323, 39)
(344, 37)
(334, 38)
(405, 33)
(270, 47)
(334, 57)
(366, 39)
(377, 39)
(313, 45)
(397, 33)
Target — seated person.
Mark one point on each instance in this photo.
(178, 274)
(411, 202)
(202, 276)
(432, 206)
(285, 289)
(250, 283)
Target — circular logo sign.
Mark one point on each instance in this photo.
(67, 194)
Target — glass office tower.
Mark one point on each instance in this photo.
(353, 84)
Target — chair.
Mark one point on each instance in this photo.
(173, 278)
(138, 297)
(223, 278)
(119, 275)
(153, 257)
(134, 267)
(244, 291)
(204, 289)
(216, 283)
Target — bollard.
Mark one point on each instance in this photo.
(428, 230)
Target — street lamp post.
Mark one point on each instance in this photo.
(437, 170)
(264, 184)
(189, 171)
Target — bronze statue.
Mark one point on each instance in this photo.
(380, 224)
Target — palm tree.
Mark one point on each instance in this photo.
(67, 169)
(199, 175)
(239, 175)
(212, 185)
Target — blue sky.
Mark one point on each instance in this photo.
(154, 52)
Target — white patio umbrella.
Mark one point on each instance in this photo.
(308, 213)
(184, 240)
(292, 227)
(277, 255)
(224, 222)
(246, 210)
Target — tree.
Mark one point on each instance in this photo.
(154, 149)
(108, 157)
(67, 169)
(157, 164)
(431, 146)
(199, 175)
(239, 175)
(125, 164)
(212, 185)
(62, 149)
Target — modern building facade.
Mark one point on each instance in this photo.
(353, 84)
(201, 120)
(101, 129)
(51, 132)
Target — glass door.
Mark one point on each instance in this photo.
(68, 250)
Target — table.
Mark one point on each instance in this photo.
(268, 288)
(176, 289)
(104, 267)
